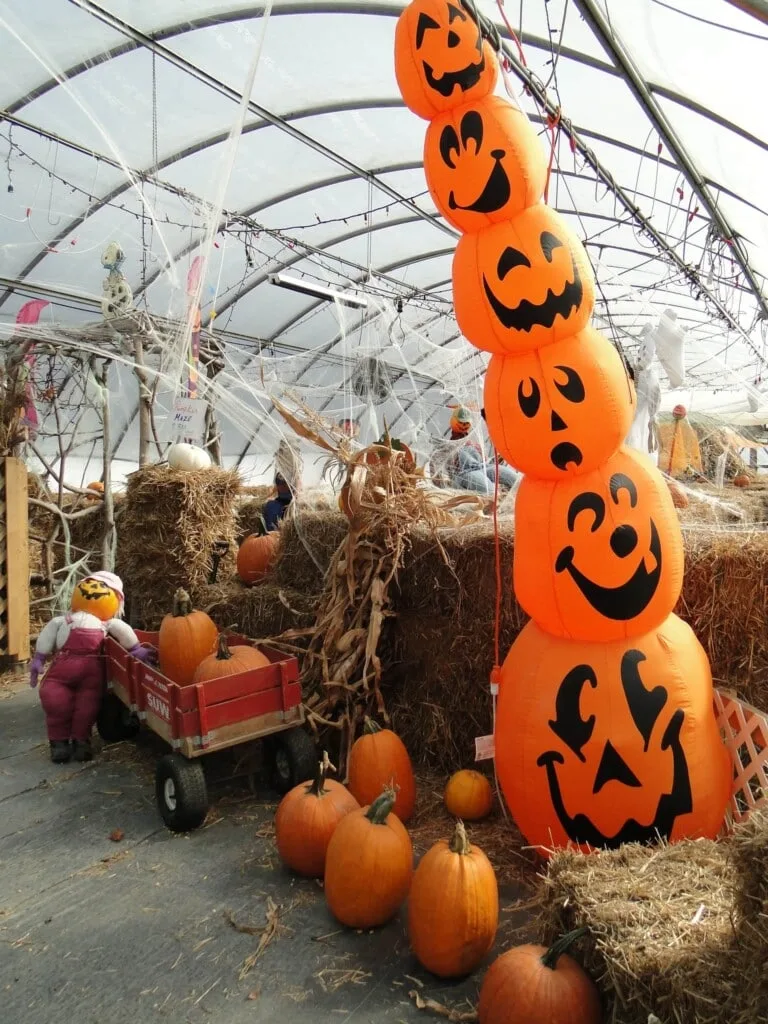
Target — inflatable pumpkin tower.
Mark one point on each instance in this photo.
(605, 730)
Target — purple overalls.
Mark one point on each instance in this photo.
(72, 688)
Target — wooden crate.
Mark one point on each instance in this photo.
(14, 560)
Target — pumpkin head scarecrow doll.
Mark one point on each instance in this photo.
(71, 690)
(467, 468)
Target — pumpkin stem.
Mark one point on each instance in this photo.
(459, 843)
(323, 767)
(369, 726)
(182, 603)
(381, 807)
(559, 947)
(223, 653)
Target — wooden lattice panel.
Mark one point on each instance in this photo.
(14, 560)
(745, 732)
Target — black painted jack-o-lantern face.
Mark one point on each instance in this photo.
(606, 561)
(603, 744)
(441, 60)
(483, 163)
(522, 284)
(562, 409)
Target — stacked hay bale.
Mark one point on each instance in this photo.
(166, 535)
(676, 931)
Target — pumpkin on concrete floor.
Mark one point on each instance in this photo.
(453, 907)
(468, 795)
(256, 556)
(186, 637)
(369, 865)
(378, 758)
(534, 985)
(229, 661)
(307, 818)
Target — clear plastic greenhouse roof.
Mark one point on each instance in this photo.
(124, 121)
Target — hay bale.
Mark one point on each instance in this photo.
(308, 539)
(167, 529)
(260, 612)
(666, 931)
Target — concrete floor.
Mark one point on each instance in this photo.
(142, 929)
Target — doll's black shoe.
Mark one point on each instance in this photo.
(82, 750)
(61, 751)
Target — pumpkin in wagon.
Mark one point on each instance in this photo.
(229, 661)
(307, 818)
(369, 865)
(186, 637)
(453, 907)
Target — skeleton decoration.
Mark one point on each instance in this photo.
(643, 434)
(118, 297)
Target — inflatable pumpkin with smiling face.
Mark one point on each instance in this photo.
(483, 163)
(614, 743)
(598, 556)
(441, 59)
(562, 409)
(522, 284)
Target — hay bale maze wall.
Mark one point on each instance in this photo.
(677, 931)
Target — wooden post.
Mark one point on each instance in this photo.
(14, 560)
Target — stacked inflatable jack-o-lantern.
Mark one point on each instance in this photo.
(605, 731)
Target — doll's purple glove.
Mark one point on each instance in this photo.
(147, 655)
(36, 667)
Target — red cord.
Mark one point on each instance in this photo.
(497, 547)
(553, 120)
(512, 33)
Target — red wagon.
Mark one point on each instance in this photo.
(201, 718)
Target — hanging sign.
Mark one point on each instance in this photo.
(188, 418)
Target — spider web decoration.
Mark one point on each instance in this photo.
(371, 380)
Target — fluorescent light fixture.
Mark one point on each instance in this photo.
(319, 291)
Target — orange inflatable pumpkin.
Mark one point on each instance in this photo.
(561, 410)
(614, 742)
(441, 60)
(598, 556)
(96, 598)
(484, 163)
(522, 284)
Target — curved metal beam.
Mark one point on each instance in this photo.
(613, 45)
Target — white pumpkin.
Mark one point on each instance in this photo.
(188, 457)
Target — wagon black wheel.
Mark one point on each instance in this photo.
(294, 759)
(116, 722)
(181, 793)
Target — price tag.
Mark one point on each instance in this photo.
(484, 748)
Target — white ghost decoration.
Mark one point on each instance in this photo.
(669, 337)
(642, 434)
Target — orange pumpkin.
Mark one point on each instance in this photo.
(441, 60)
(522, 284)
(598, 556)
(562, 409)
(453, 907)
(186, 637)
(369, 865)
(378, 758)
(599, 744)
(307, 818)
(532, 983)
(468, 795)
(742, 480)
(229, 661)
(98, 488)
(256, 556)
(95, 598)
(484, 163)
